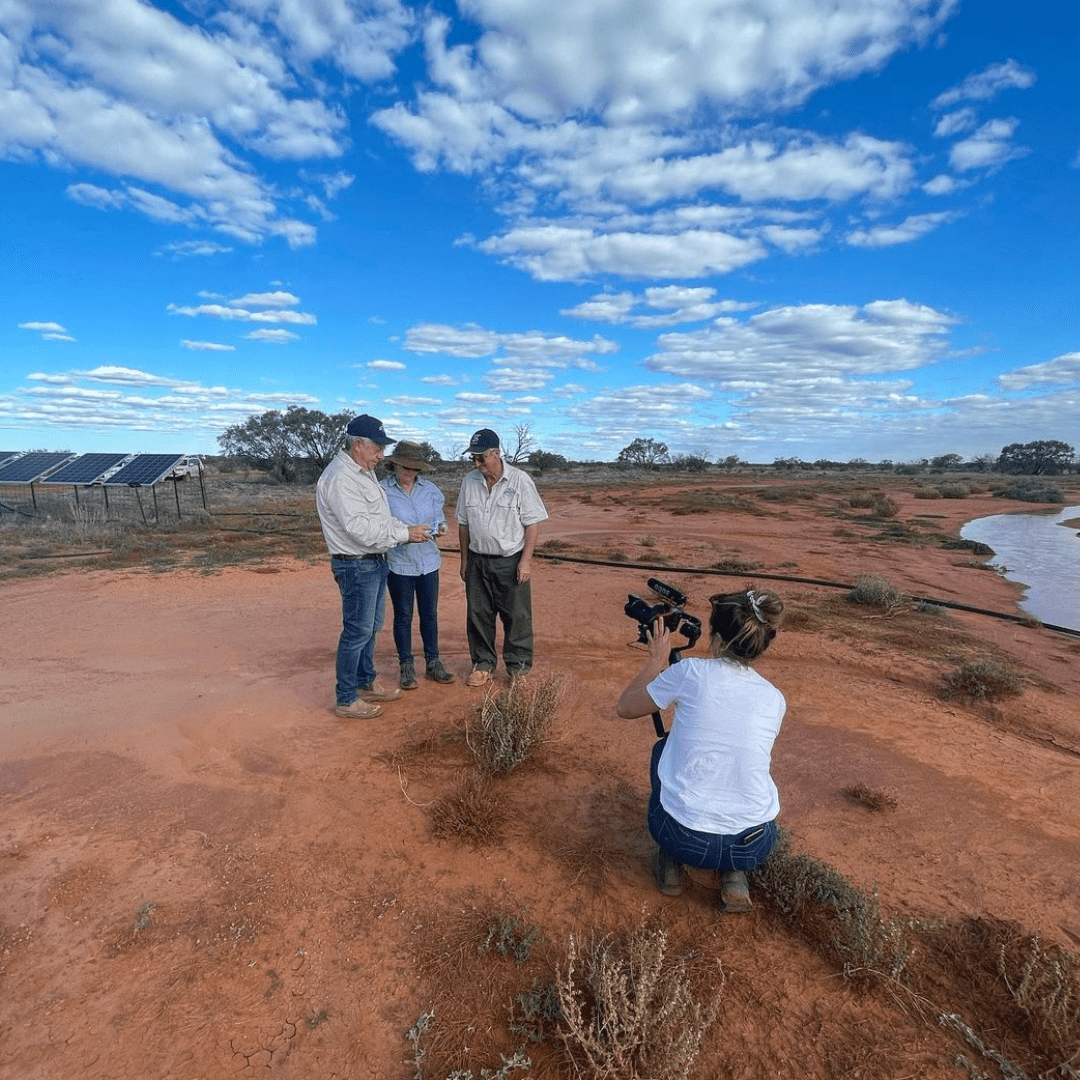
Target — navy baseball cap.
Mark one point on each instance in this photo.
(367, 427)
(484, 439)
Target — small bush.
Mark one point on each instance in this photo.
(877, 801)
(648, 541)
(876, 592)
(512, 723)
(628, 1011)
(828, 911)
(986, 679)
(510, 937)
(976, 547)
(877, 502)
(471, 813)
(619, 556)
(1040, 491)
(1045, 984)
(954, 491)
(737, 565)
(928, 493)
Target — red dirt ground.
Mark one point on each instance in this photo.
(204, 874)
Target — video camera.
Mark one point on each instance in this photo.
(669, 608)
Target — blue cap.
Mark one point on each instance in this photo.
(484, 439)
(367, 427)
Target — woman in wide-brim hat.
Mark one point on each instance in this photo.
(413, 578)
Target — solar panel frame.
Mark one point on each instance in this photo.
(7, 455)
(85, 469)
(32, 466)
(145, 470)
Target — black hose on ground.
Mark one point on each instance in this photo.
(653, 568)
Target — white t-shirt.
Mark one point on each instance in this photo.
(714, 771)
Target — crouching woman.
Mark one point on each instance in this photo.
(713, 802)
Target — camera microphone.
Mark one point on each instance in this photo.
(667, 592)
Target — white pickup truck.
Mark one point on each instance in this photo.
(188, 466)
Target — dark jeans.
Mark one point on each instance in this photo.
(404, 589)
(363, 601)
(707, 851)
(492, 591)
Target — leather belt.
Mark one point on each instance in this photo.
(334, 555)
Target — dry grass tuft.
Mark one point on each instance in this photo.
(1045, 984)
(876, 592)
(877, 502)
(985, 679)
(1022, 995)
(509, 936)
(627, 1010)
(472, 813)
(512, 723)
(833, 915)
(878, 801)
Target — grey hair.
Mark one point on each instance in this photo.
(352, 440)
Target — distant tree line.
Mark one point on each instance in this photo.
(296, 444)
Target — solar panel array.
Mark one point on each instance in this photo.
(30, 467)
(7, 455)
(145, 470)
(85, 469)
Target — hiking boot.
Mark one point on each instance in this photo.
(407, 676)
(357, 710)
(377, 692)
(436, 671)
(668, 872)
(478, 677)
(734, 891)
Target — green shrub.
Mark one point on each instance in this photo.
(986, 679)
(1040, 491)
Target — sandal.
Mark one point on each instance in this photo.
(478, 677)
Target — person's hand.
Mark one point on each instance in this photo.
(524, 570)
(464, 565)
(659, 640)
(418, 534)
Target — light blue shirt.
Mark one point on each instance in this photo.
(421, 506)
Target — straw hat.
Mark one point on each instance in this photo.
(410, 455)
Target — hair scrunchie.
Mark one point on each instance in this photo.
(755, 605)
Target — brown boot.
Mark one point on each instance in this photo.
(734, 891)
(377, 692)
(668, 872)
(357, 710)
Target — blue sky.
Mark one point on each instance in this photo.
(769, 228)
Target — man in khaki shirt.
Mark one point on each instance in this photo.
(498, 513)
(359, 530)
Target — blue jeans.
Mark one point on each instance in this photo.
(363, 601)
(707, 851)
(424, 589)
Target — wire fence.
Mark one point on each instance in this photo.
(170, 500)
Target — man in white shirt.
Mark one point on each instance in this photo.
(498, 513)
(359, 530)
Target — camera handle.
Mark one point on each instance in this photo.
(658, 721)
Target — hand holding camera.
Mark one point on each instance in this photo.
(668, 609)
